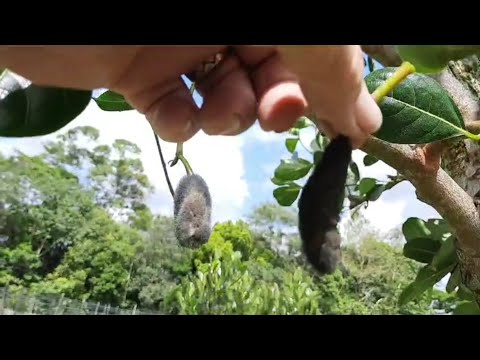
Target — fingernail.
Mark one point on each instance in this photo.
(235, 125)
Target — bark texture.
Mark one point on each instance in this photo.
(454, 189)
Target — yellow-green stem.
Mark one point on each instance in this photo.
(179, 156)
(402, 72)
(179, 152)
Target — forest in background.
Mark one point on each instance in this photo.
(74, 221)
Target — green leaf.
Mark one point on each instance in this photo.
(291, 144)
(436, 229)
(369, 160)
(426, 279)
(38, 110)
(434, 58)
(454, 281)
(366, 185)
(414, 228)
(286, 195)
(302, 123)
(421, 249)
(290, 170)
(111, 101)
(419, 110)
(446, 255)
(465, 293)
(375, 193)
(467, 308)
(278, 182)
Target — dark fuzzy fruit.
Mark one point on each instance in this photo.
(192, 211)
(320, 206)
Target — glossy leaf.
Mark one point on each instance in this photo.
(467, 308)
(446, 255)
(426, 279)
(375, 193)
(278, 182)
(419, 110)
(112, 101)
(465, 293)
(414, 228)
(454, 280)
(291, 144)
(421, 249)
(292, 169)
(38, 110)
(436, 229)
(366, 185)
(369, 160)
(286, 195)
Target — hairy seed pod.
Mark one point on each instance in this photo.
(192, 208)
(320, 206)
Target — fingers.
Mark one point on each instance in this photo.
(332, 81)
(281, 101)
(229, 103)
(173, 115)
(367, 112)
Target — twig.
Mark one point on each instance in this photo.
(164, 166)
(440, 191)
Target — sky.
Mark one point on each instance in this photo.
(237, 169)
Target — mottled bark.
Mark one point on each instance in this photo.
(453, 190)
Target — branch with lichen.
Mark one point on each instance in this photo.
(421, 166)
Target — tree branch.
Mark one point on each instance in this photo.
(385, 54)
(440, 191)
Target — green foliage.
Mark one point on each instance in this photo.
(238, 235)
(39, 110)
(292, 169)
(159, 265)
(97, 266)
(369, 160)
(286, 195)
(435, 58)
(19, 265)
(381, 273)
(428, 242)
(112, 101)
(419, 110)
(46, 209)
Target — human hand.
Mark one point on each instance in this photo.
(274, 84)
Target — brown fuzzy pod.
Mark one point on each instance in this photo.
(192, 211)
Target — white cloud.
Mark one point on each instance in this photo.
(217, 159)
(256, 134)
